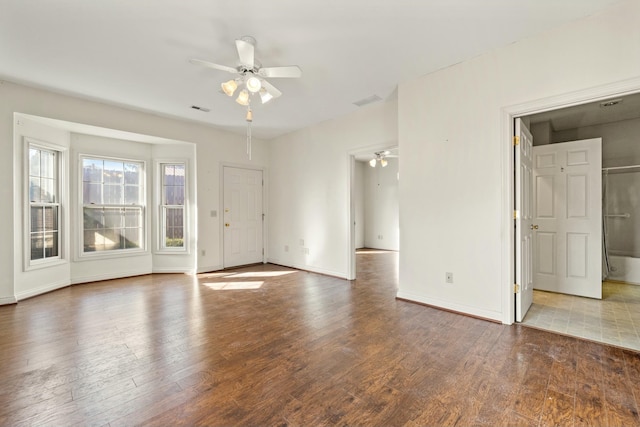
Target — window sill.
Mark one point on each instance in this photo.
(45, 264)
(96, 256)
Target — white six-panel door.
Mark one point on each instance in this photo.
(243, 221)
(524, 228)
(568, 217)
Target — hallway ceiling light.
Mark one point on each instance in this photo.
(380, 156)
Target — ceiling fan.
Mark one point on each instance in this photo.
(251, 74)
(381, 157)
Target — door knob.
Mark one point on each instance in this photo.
(226, 224)
(534, 227)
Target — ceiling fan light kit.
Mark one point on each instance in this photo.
(380, 157)
(229, 87)
(252, 78)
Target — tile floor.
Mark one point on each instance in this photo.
(613, 320)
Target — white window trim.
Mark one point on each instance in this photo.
(116, 253)
(61, 165)
(159, 249)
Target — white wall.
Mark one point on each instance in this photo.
(381, 222)
(213, 147)
(452, 139)
(309, 187)
(620, 141)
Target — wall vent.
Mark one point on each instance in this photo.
(369, 100)
(195, 107)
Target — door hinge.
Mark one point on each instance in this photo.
(516, 288)
(263, 217)
(515, 214)
(516, 140)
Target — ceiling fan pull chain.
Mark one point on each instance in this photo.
(249, 120)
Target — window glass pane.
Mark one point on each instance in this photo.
(173, 239)
(170, 195)
(48, 191)
(37, 246)
(179, 179)
(131, 173)
(113, 172)
(93, 241)
(132, 238)
(47, 164)
(111, 239)
(179, 217)
(113, 218)
(91, 193)
(37, 219)
(92, 170)
(34, 162)
(169, 172)
(51, 244)
(93, 219)
(112, 194)
(179, 193)
(131, 195)
(51, 218)
(170, 219)
(133, 218)
(34, 189)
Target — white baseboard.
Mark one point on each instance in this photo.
(8, 300)
(447, 305)
(42, 290)
(310, 268)
(172, 271)
(209, 269)
(108, 276)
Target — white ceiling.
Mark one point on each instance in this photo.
(135, 53)
(593, 113)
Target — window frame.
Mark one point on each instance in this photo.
(60, 162)
(112, 253)
(161, 248)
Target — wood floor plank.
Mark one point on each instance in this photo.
(303, 349)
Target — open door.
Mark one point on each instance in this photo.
(568, 217)
(523, 148)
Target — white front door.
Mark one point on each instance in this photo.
(524, 216)
(243, 220)
(568, 217)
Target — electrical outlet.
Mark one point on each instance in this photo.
(286, 248)
(449, 277)
(301, 242)
(203, 252)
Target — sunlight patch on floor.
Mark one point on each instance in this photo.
(233, 286)
(262, 274)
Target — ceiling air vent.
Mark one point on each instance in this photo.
(369, 100)
(610, 103)
(195, 107)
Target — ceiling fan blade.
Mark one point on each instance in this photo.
(271, 89)
(212, 65)
(278, 72)
(246, 53)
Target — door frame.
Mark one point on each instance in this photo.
(351, 158)
(220, 213)
(507, 116)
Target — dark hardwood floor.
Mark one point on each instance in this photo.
(271, 346)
